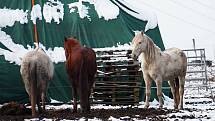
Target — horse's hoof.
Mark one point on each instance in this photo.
(175, 107)
(146, 106)
(180, 108)
(84, 112)
(34, 115)
(40, 110)
(74, 111)
(160, 107)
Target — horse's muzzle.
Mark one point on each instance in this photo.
(133, 56)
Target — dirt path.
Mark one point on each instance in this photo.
(14, 111)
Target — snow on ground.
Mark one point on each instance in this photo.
(197, 104)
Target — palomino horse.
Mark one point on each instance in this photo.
(81, 68)
(37, 70)
(170, 65)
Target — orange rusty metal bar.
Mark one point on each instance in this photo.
(35, 29)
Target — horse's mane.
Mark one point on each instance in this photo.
(151, 50)
(71, 43)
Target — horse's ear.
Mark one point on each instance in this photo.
(142, 32)
(65, 39)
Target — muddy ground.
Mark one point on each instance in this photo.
(14, 111)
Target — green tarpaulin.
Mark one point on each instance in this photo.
(95, 33)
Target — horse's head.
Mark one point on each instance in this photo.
(138, 45)
(69, 44)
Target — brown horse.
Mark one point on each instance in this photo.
(37, 70)
(81, 68)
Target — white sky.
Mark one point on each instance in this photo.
(181, 21)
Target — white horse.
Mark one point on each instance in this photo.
(157, 65)
(37, 71)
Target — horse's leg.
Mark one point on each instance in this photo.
(33, 87)
(159, 91)
(74, 90)
(91, 86)
(43, 93)
(148, 90)
(38, 102)
(33, 97)
(43, 100)
(84, 86)
(181, 91)
(88, 103)
(84, 99)
(172, 86)
(33, 105)
(177, 91)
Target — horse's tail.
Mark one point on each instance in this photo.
(83, 84)
(177, 90)
(33, 85)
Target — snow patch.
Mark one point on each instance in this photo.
(108, 10)
(104, 8)
(113, 119)
(140, 11)
(53, 10)
(82, 10)
(9, 17)
(17, 51)
(119, 46)
(36, 13)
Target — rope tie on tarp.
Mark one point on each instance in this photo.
(35, 30)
